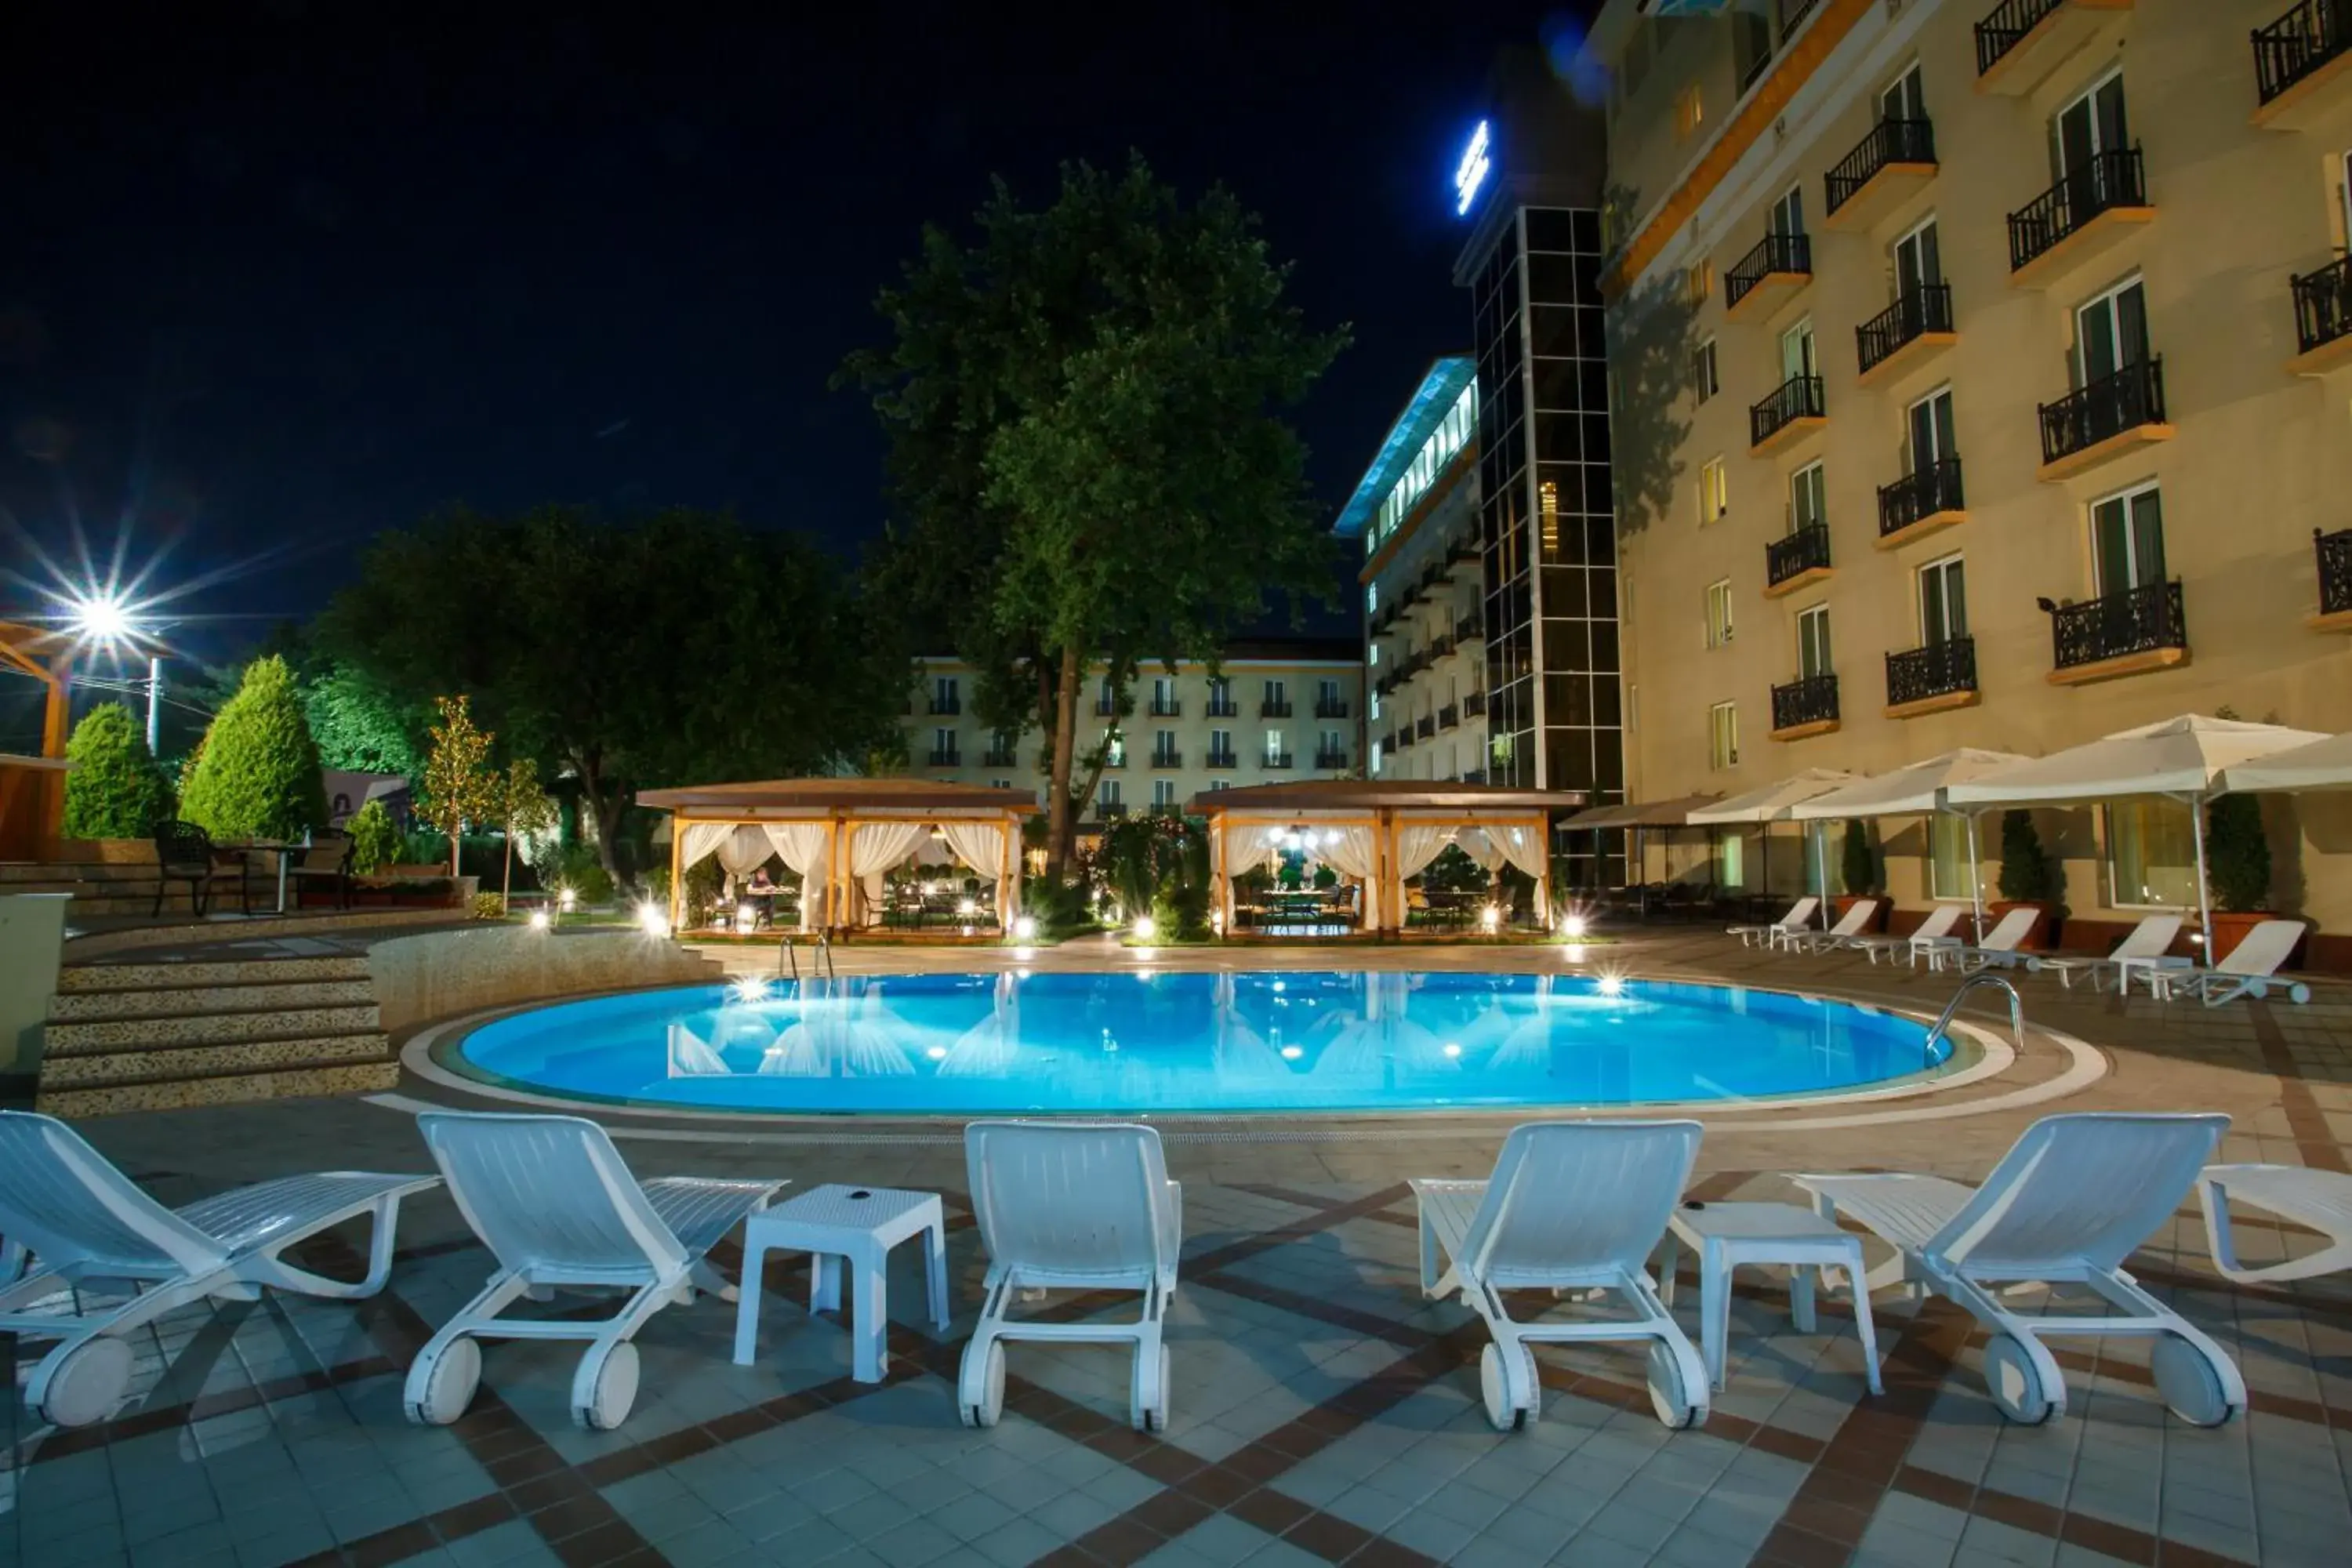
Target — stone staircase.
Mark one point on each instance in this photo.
(103, 887)
(149, 1036)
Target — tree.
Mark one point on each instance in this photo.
(1854, 867)
(357, 725)
(2237, 853)
(375, 838)
(115, 790)
(527, 809)
(2025, 869)
(460, 787)
(1086, 451)
(257, 770)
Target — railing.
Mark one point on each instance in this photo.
(1275, 759)
(1474, 705)
(1926, 307)
(2334, 570)
(1107, 709)
(1807, 549)
(1166, 759)
(2006, 27)
(1388, 741)
(1470, 628)
(1791, 12)
(995, 759)
(2137, 620)
(1944, 1019)
(1424, 727)
(1110, 810)
(1330, 762)
(1170, 709)
(945, 759)
(2103, 180)
(2129, 398)
(1933, 488)
(1798, 397)
(1332, 708)
(942, 708)
(1274, 710)
(1223, 708)
(1773, 253)
(1224, 759)
(1938, 669)
(820, 960)
(1116, 760)
(2322, 304)
(1756, 69)
(1889, 141)
(1808, 700)
(1403, 738)
(1474, 776)
(1448, 717)
(2298, 44)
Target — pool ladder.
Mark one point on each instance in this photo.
(2016, 1009)
(820, 961)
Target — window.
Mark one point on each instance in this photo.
(1730, 853)
(1723, 736)
(1327, 701)
(1163, 694)
(1277, 696)
(1700, 282)
(1948, 856)
(1796, 356)
(1330, 749)
(1221, 696)
(1105, 697)
(2111, 332)
(1789, 212)
(1809, 498)
(1690, 111)
(1903, 100)
(1107, 792)
(943, 748)
(1813, 643)
(944, 695)
(2092, 124)
(1918, 263)
(1376, 758)
(1718, 613)
(1274, 748)
(1114, 750)
(1221, 746)
(1375, 700)
(1163, 743)
(1943, 602)
(1714, 491)
(1703, 371)
(1929, 423)
(999, 783)
(1372, 598)
(2127, 541)
(1163, 793)
(2151, 854)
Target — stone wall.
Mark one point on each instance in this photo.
(444, 973)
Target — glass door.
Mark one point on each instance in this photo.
(2111, 332)
(1813, 642)
(1904, 100)
(1796, 356)
(1943, 602)
(2127, 541)
(1931, 430)
(1809, 504)
(2092, 124)
(1918, 263)
(1789, 212)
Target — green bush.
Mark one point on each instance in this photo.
(2237, 855)
(1060, 909)
(258, 775)
(115, 790)
(575, 866)
(1453, 871)
(375, 839)
(2027, 877)
(489, 907)
(1856, 870)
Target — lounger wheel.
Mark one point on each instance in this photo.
(2015, 1386)
(605, 1385)
(442, 1382)
(1510, 1409)
(1670, 1391)
(2187, 1383)
(1147, 1406)
(979, 1390)
(86, 1383)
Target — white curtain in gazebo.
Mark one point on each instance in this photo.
(1245, 846)
(800, 846)
(1416, 846)
(1524, 848)
(981, 846)
(1354, 852)
(873, 849)
(742, 852)
(702, 838)
(1478, 843)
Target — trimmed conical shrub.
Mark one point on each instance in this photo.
(258, 775)
(115, 790)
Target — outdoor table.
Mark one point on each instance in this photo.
(285, 853)
(843, 1226)
(2158, 972)
(1726, 1236)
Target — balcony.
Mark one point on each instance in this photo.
(1778, 266)
(2090, 211)
(1166, 759)
(1331, 762)
(995, 758)
(1274, 710)
(1931, 679)
(1110, 810)
(2020, 43)
(2123, 634)
(948, 759)
(1469, 628)
(2323, 319)
(1806, 706)
(1474, 705)
(1277, 761)
(1425, 726)
(1106, 707)
(1895, 160)
(1331, 708)
(945, 706)
(2109, 417)
(1223, 708)
(1224, 758)
(2335, 550)
(1919, 504)
(1792, 411)
(1403, 738)
(1170, 708)
(1448, 716)
(2303, 62)
(1906, 335)
(1800, 557)
(1389, 742)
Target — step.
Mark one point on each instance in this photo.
(207, 1000)
(221, 1088)
(80, 977)
(157, 1063)
(83, 1036)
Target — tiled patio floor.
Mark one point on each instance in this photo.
(1322, 1411)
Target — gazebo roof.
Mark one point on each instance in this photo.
(870, 796)
(1379, 794)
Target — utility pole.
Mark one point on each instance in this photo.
(154, 705)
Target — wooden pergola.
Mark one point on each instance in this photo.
(32, 789)
(841, 809)
(1395, 817)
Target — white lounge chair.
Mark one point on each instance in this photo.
(2321, 1200)
(555, 1204)
(1938, 923)
(1572, 1206)
(1999, 947)
(2149, 941)
(2249, 969)
(85, 1223)
(1849, 928)
(1799, 916)
(1066, 1205)
(2067, 1204)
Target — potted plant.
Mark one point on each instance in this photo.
(1858, 872)
(2029, 879)
(2237, 871)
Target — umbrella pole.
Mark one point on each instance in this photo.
(2204, 898)
(1976, 877)
(1821, 869)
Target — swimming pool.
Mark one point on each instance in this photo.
(1170, 1042)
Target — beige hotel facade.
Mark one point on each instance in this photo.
(2003, 352)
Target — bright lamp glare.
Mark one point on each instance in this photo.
(1146, 928)
(103, 618)
(1572, 928)
(1025, 928)
(539, 920)
(651, 921)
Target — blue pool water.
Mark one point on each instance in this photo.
(1167, 1042)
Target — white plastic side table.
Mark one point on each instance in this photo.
(1726, 1236)
(842, 1226)
(2158, 971)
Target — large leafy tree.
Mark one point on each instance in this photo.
(1088, 454)
(257, 771)
(115, 790)
(675, 647)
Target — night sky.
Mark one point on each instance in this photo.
(277, 276)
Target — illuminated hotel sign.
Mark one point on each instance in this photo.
(1470, 175)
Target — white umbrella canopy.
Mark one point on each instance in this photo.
(2179, 757)
(1908, 790)
(2323, 764)
(1774, 802)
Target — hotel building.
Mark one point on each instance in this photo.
(1993, 362)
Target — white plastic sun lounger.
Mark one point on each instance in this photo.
(2250, 970)
(1066, 1205)
(1938, 923)
(2319, 1199)
(2148, 940)
(85, 1223)
(1572, 1206)
(555, 1204)
(1849, 928)
(1799, 915)
(1999, 947)
(2067, 1204)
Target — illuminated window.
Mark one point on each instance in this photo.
(1703, 372)
(1723, 736)
(2151, 854)
(1718, 613)
(1548, 508)
(1115, 751)
(1808, 503)
(1714, 491)
(1690, 111)
(1453, 433)
(1948, 856)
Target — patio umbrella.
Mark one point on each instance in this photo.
(2323, 764)
(1773, 803)
(2179, 759)
(1919, 790)
(1634, 818)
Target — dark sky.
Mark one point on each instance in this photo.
(277, 276)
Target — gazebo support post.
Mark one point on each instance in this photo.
(676, 869)
(1543, 883)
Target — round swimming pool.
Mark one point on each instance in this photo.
(1173, 1042)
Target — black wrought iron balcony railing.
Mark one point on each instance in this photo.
(947, 759)
(1167, 708)
(2322, 304)
(945, 706)
(1469, 628)
(2006, 27)
(1931, 489)
(2129, 398)
(1110, 810)
(1331, 708)
(2334, 570)
(1448, 716)
(1806, 549)
(1403, 738)
(1808, 699)
(1166, 759)
(1926, 309)
(1474, 705)
(1330, 762)
(1279, 710)
(2298, 44)
(2105, 179)
(1116, 760)
(1276, 760)
(1107, 709)
(993, 758)
(2137, 620)
(1938, 669)
(1223, 708)
(1788, 252)
(1798, 397)
(1224, 759)
(1889, 141)
(1424, 727)
(1389, 742)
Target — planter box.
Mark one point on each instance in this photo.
(1877, 922)
(107, 851)
(2230, 930)
(2042, 936)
